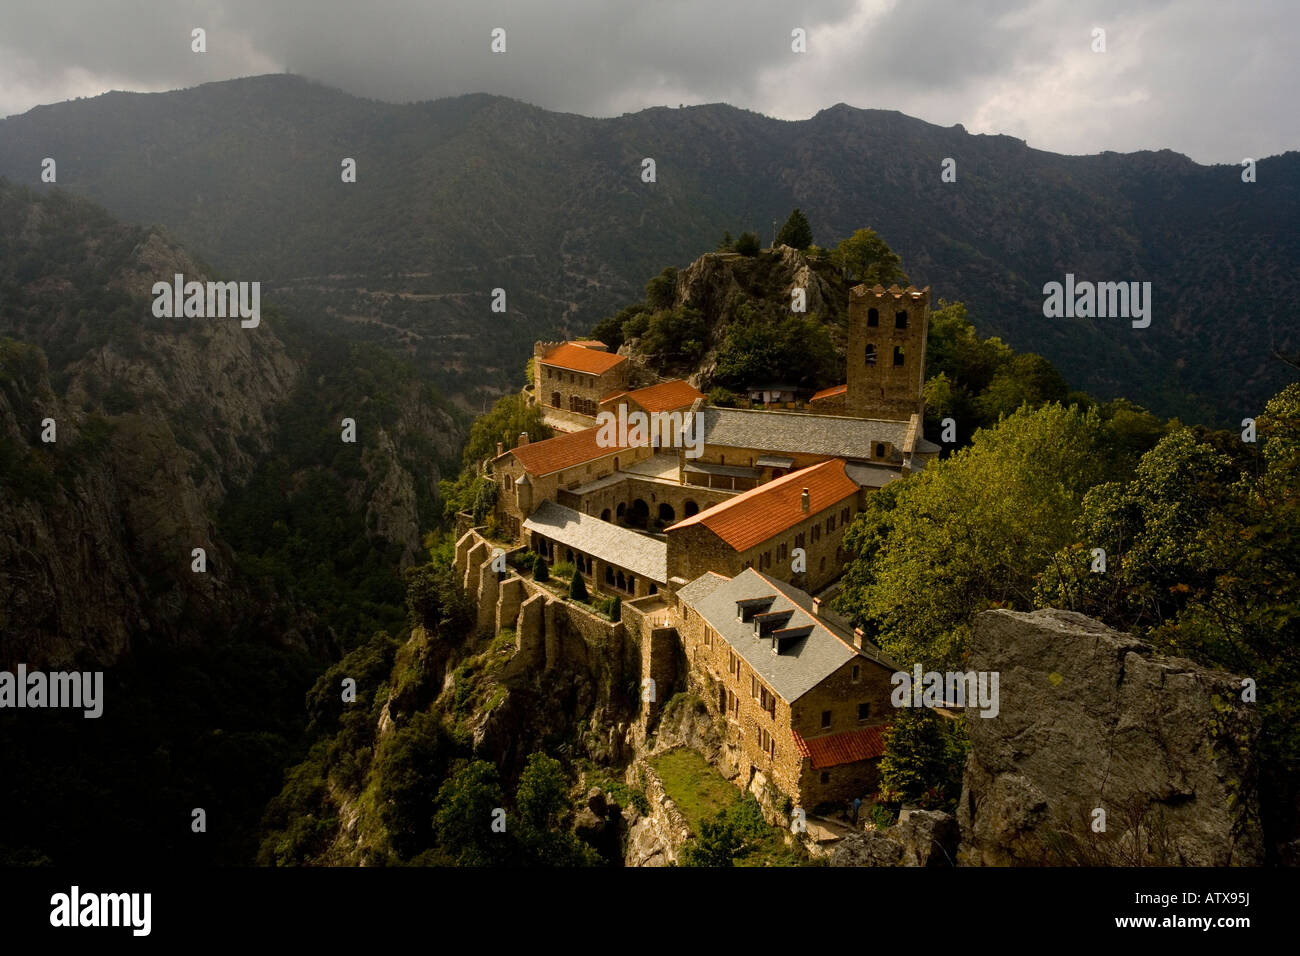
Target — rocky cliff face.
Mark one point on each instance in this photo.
(156, 421)
(1093, 720)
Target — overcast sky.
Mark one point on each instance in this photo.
(1217, 81)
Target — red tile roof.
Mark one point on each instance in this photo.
(829, 392)
(578, 359)
(755, 516)
(562, 451)
(850, 746)
(666, 396)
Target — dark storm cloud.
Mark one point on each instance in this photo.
(1212, 80)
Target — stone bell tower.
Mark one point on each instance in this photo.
(886, 357)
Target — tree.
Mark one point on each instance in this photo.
(660, 291)
(923, 760)
(542, 794)
(578, 586)
(796, 233)
(748, 244)
(466, 807)
(616, 611)
(540, 571)
(970, 532)
(865, 257)
(717, 844)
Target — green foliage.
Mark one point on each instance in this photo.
(409, 764)
(464, 814)
(659, 291)
(675, 335)
(864, 257)
(562, 570)
(508, 418)
(612, 330)
(435, 600)
(969, 532)
(924, 757)
(748, 244)
(616, 611)
(540, 571)
(578, 586)
(796, 233)
(723, 397)
(796, 349)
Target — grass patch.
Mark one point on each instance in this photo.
(692, 783)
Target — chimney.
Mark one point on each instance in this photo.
(501, 449)
(523, 439)
(817, 607)
(805, 502)
(858, 637)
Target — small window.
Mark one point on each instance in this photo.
(857, 672)
(826, 719)
(864, 711)
(898, 356)
(826, 776)
(900, 320)
(873, 317)
(870, 358)
(880, 450)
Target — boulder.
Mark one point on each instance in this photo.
(1104, 752)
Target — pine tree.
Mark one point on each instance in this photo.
(578, 587)
(616, 612)
(796, 233)
(540, 571)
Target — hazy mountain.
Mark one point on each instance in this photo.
(459, 196)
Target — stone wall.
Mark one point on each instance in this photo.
(695, 550)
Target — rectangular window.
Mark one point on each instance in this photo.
(864, 711)
(856, 673)
(826, 719)
(753, 686)
(826, 776)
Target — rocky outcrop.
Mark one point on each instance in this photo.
(1095, 729)
(919, 838)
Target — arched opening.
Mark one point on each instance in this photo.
(555, 400)
(609, 574)
(873, 317)
(631, 584)
(900, 320)
(654, 588)
(622, 507)
(639, 514)
(604, 515)
(690, 508)
(568, 555)
(898, 356)
(622, 582)
(666, 514)
(870, 358)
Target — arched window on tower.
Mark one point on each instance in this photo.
(900, 320)
(873, 318)
(898, 356)
(871, 353)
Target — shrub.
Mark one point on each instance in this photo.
(748, 244)
(578, 587)
(540, 571)
(616, 611)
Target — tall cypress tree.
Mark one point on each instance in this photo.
(796, 233)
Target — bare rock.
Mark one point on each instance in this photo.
(1094, 720)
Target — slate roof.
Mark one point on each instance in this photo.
(642, 555)
(797, 669)
(830, 435)
(760, 513)
(849, 746)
